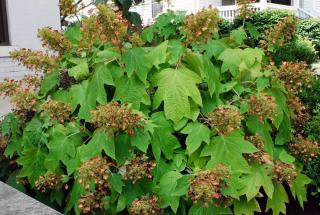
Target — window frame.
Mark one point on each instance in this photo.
(4, 24)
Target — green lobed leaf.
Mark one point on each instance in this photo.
(278, 201)
(197, 133)
(172, 185)
(244, 207)
(163, 141)
(299, 188)
(137, 62)
(259, 176)
(175, 87)
(231, 147)
(131, 90)
(80, 71)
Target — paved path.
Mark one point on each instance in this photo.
(13, 202)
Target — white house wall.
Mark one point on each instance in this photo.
(206, 3)
(25, 17)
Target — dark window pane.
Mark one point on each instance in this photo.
(4, 39)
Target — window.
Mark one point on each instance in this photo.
(4, 36)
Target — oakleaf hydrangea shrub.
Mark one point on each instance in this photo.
(190, 123)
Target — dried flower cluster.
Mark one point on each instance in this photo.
(65, 80)
(138, 168)
(263, 106)
(93, 171)
(67, 7)
(54, 40)
(299, 112)
(207, 186)
(117, 117)
(57, 110)
(245, 9)
(281, 34)
(49, 181)
(146, 205)
(22, 93)
(304, 149)
(35, 60)
(295, 75)
(225, 120)
(105, 26)
(136, 40)
(202, 26)
(284, 172)
(260, 156)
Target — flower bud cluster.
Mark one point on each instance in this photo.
(49, 181)
(54, 40)
(304, 149)
(207, 186)
(65, 80)
(117, 117)
(93, 172)
(202, 26)
(138, 168)
(263, 106)
(260, 156)
(35, 60)
(225, 119)
(295, 75)
(57, 110)
(281, 34)
(146, 205)
(284, 172)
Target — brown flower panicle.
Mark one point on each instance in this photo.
(57, 110)
(54, 40)
(262, 106)
(284, 172)
(93, 171)
(304, 149)
(117, 117)
(295, 76)
(49, 181)
(207, 186)
(146, 205)
(202, 26)
(138, 168)
(225, 120)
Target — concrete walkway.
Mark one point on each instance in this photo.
(13, 202)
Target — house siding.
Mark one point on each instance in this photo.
(24, 19)
(207, 3)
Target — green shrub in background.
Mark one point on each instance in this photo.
(310, 29)
(263, 19)
(297, 50)
(308, 95)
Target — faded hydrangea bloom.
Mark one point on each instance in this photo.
(146, 205)
(225, 120)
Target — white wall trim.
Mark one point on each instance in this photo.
(4, 50)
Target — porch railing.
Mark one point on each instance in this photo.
(230, 12)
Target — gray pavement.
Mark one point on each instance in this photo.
(13, 202)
